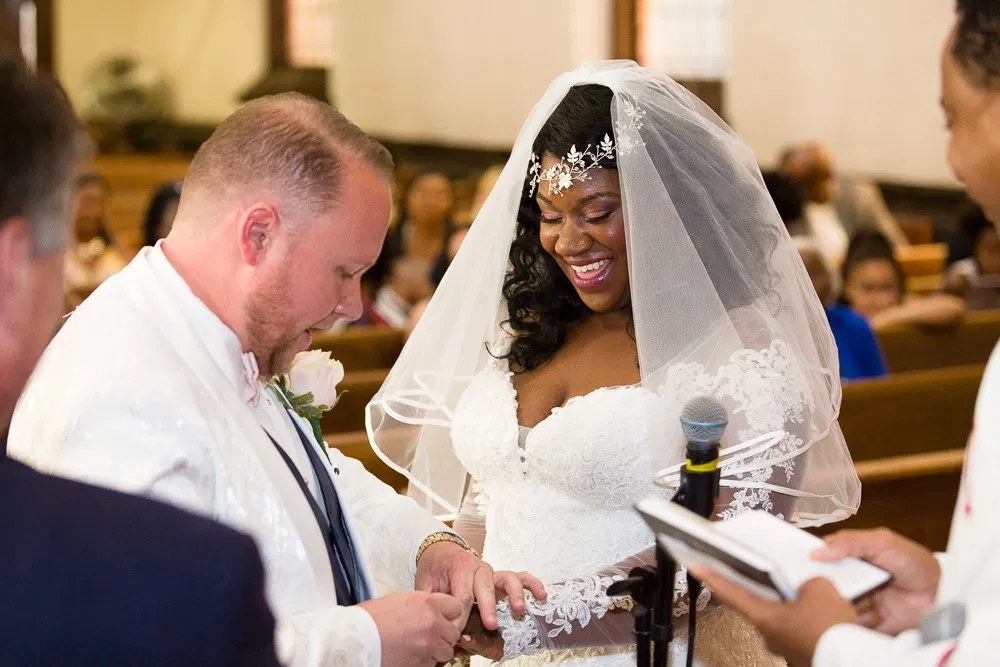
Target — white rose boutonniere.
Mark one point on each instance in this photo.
(310, 387)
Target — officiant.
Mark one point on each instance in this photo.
(941, 611)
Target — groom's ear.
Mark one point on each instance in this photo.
(258, 230)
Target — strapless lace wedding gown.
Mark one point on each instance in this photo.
(557, 502)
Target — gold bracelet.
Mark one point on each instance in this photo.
(434, 538)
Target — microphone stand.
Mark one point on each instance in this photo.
(652, 589)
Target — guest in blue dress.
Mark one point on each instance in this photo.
(859, 351)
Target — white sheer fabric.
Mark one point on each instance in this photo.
(721, 303)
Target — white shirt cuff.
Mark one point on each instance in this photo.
(369, 635)
(848, 645)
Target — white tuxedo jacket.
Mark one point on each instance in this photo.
(128, 396)
(970, 568)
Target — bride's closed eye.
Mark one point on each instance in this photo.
(598, 217)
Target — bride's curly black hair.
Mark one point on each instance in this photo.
(541, 302)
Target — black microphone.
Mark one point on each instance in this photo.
(703, 421)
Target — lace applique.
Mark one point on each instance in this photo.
(576, 600)
(766, 391)
(682, 603)
(574, 604)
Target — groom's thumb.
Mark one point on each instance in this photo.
(446, 605)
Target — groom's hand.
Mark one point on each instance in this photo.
(445, 567)
(416, 629)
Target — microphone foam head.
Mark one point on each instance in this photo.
(703, 420)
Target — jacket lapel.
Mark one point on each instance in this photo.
(167, 318)
(361, 561)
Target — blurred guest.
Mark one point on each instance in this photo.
(859, 351)
(836, 207)
(405, 285)
(977, 278)
(874, 286)
(160, 212)
(93, 259)
(402, 274)
(452, 244)
(788, 200)
(484, 186)
(427, 208)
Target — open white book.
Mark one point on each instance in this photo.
(756, 550)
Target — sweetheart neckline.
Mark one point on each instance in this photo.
(559, 408)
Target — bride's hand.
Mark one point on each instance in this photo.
(477, 640)
(513, 584)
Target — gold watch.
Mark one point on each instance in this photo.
(443, 536)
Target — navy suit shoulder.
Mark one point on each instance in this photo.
(95, 577)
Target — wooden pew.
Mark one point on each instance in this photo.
(914, 495)
(907, 435)
(908, 348)
(355, 445)
(910, 413)
(923, 266)
(349, 415)
(362, 348)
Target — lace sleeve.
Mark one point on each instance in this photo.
(579, 613)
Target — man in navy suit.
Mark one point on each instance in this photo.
(89, 576)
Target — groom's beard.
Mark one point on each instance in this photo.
(271, 332)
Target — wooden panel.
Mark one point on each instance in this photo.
(349, 415)
(355, 445)
(918, 228)
(625, 33)
(10, 31)
(912, 495)
(908, 348)
(362, 348)
(927, 259)
(911, 413)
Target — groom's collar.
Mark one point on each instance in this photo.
(221, 342)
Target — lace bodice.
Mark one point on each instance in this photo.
(576, 479)
(557, 501)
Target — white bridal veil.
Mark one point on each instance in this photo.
(721, 302)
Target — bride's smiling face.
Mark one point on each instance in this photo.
(583, 229)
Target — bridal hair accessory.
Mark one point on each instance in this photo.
(310, 386)
(575, 165)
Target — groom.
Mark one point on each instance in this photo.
(155, 386)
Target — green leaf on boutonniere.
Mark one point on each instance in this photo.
(319, 437)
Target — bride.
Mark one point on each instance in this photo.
(629, 259)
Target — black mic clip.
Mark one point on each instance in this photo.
(641, 587)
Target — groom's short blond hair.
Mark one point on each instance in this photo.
(290, 143)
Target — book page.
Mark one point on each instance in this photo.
(789, 549)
